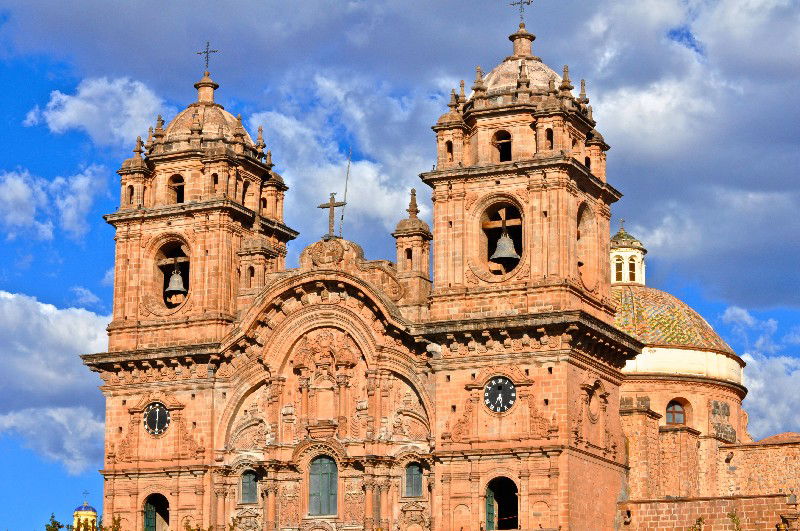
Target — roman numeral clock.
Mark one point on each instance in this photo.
(499, 394)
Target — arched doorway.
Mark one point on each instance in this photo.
(156, 513)
(501, 504)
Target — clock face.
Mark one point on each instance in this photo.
(499, 394)
(156, 418)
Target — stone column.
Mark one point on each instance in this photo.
(384, 508)
(220, 513)
(304, 385)
(446, 517)
(369, 509)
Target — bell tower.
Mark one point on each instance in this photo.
(521, 202)
(527, 362)
(200, 224)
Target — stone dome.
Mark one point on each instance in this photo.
(503, 78)
(214, 120)
(207, 118)
(659, 319)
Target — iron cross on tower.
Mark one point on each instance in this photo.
(207, 52)
(331, 206)
(521, 4)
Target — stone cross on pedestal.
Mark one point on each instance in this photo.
(521, 4)
(331, 206)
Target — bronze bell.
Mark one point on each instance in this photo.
(505, 247)
(175, 284)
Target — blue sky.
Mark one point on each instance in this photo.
(696, 98)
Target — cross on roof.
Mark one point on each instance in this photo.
(207, 52)
(521, 4)
(331, 206)
(85, 495)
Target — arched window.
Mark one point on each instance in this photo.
(618, 269)
(587, 162)
(632, 270)
(215, 182)
(449, 147)
(251, 276)
(176, 186)
(502, 142)
(130, 194)
(413, 480)
(676, 413)
(548, 138)
(156, 513)
(249, 487)
(409, 259)
(323, 488)
(262, 205)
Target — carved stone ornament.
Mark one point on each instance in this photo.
(248, 520)
(327, 252)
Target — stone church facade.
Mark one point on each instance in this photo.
(531, 380)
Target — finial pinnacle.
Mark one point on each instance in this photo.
(138, 149)
(413, 209)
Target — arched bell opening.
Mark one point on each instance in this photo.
(502, 504)
(156, 513)
(176, 189)
(172, 264)
(501, 141)
(501, 237)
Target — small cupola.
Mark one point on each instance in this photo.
(627, 258)
(205, 88)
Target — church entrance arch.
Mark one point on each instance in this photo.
(156, 513)
(501, 504)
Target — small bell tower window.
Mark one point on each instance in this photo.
(449, 147)
(176, 189)
(548, 139)
(501, 240)
(618, 269)
(172, 263)
(632, 269)
(502, 143)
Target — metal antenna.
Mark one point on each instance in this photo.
(346, 181)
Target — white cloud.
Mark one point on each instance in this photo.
(22, 196)
(43, 376)
(74, 197)
(27, 202)
(110, 111)
(72, 436)
(771, 376)
(108, 277)
(772, 401)
(84, 297)
(384, 128)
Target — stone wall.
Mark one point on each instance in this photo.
(756, 513)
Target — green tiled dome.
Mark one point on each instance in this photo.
(659, 319)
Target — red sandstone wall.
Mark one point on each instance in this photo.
(758, 468)
(753, 513)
